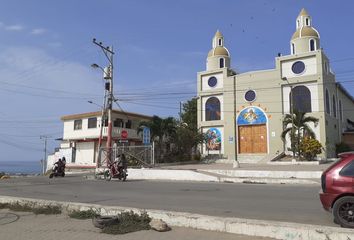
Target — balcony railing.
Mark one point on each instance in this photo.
(95, 133)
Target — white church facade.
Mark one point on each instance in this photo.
(242, 113)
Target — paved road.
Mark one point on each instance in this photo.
(298, 203)
(19, 226)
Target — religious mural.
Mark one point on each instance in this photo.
(251, 115)
(213, 137)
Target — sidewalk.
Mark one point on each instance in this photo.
(23, 225)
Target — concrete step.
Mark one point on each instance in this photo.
(250, 158)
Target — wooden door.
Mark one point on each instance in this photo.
(252, 139)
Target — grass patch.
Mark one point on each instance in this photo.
(47, 210)
(129, 222)
(17, 207)
(3, 205)
(88, 214)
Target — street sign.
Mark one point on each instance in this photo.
(124, 134)
(146, 135)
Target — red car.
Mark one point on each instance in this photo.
(337, 193)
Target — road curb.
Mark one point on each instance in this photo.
(259, 228)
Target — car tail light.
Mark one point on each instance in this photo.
(323, 182)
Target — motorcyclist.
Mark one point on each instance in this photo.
(121, 162)
(60, 165)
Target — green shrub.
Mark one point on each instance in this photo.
(17, 207)
(88, 214)
(129, 222)
(47, 210)
(309, 148)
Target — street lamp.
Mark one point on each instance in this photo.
(291, 112)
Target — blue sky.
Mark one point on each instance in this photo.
(46, 51)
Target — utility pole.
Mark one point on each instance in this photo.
(108, 76)
(45, 153)
(180, 111)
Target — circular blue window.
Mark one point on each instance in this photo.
(250, 96)
(212, 81)
(298, 67)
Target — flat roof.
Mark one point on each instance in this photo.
(99, 113)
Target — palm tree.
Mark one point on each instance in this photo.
(161, 130)
(301, 127)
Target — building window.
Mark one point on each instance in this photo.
(298, 67)
(334, 107)
(250, 96)
(212, 109)
(340, 110)
(297, 23)
(312, 45)
(301, 96)
(118, 123)
(128, 124)
(222, 62)
(92, 122)
(328, 109)
(220, 42)
(212, 81)
(78, 124)
(293, 48)
(307, 22)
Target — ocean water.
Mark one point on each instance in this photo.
(25, 167)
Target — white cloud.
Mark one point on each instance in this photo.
(16, 27)
(38, 31)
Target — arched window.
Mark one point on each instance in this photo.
(328, 110)
(340, 110)
(222, 62)
(301, 96)
(307, 22)
(220, 42)
(334, 107)
(292, 48)
(212, 109)
(312, 45)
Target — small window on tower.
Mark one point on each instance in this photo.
(312, 45)
(220, 42)
(292, 48)
(307, 22)
(222, 63)
(298, 23)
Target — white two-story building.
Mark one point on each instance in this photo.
(81, 133)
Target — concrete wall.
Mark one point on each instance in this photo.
(85, 153)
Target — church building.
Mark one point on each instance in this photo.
(242, 113)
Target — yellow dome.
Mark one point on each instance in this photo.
(218, 51)
(305, 32)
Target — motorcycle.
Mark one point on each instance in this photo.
(58, 170)
(116, 170)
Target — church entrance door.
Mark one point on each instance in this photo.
(252, 138)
